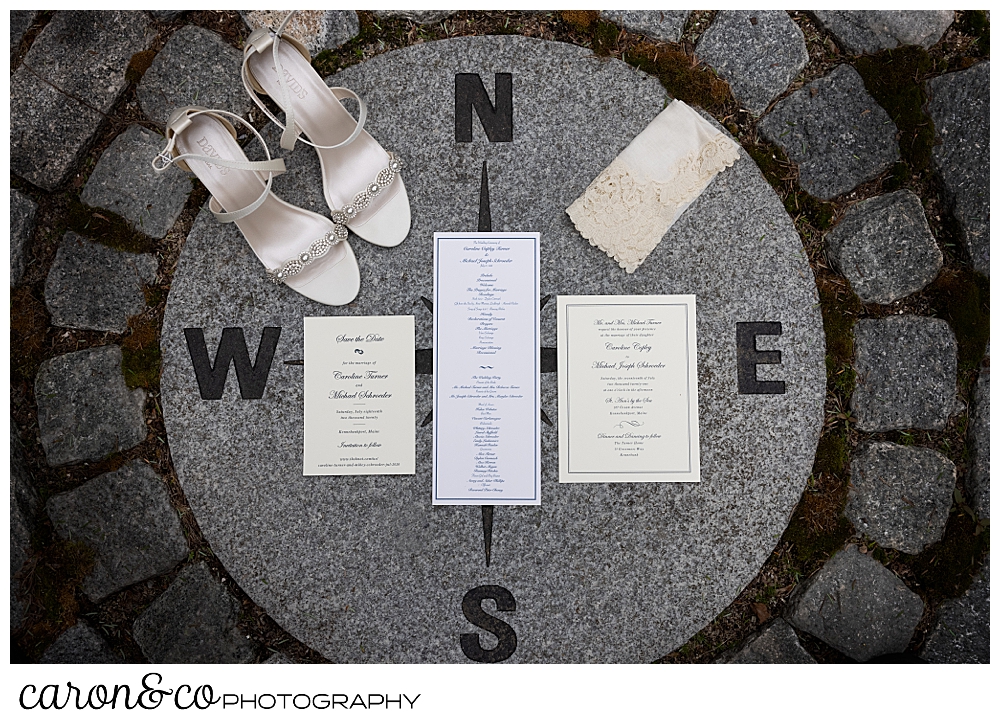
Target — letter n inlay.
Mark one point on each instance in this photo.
(497, 120)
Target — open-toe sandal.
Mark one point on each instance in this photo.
(361, 180)
(304, 250)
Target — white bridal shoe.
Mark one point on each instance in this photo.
(361, 180)
(303, 250)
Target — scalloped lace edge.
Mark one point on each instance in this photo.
(626, 215)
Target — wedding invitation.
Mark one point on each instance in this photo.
(628, 389)
(486, 369)
(359, 396)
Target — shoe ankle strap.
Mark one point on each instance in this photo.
(180, 120)
(259, 41)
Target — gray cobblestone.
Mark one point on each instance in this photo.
(906, 371)
(80, 644)
(22, 225)
(664, 25)
(318, 30)
(193, 622)
(126, 518)
(960, 107)
(67, 83)
(759, 52)
(900, 495)
(868, 31)
(124, 182)
(836, 133)
(885, 248)
(91, 286)
(857, 606)
(85, 412)
(195, 68)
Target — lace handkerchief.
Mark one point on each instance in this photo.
(628, 208)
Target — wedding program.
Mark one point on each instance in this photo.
(359, 396)
(628, 389)
(486, 369)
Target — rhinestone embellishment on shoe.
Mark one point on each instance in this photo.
(317, 250)
(362, 200)
(330, 239)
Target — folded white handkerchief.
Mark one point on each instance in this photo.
(628, 208)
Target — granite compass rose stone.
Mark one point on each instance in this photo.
(498, 133)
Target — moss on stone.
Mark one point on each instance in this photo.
(604, 38)
(775, 166)
(154, 296)
(141, 357)
(976, 23)
(818, 213)
(818, 528)
(811, 547)
(770, 161)
(841, 308)
(960, 296)
(833, 454)
(894, 78)
(371, 30)
(580, 20)
(682, 76)
(897, 178)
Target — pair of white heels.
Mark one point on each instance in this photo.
(361, 181)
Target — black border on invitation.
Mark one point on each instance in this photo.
(687, 367)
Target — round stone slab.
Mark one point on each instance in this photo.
(365, 569)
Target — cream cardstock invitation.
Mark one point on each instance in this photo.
(628, 389)
(486, 369)
(359, 396)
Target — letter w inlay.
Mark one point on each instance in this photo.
(232, 349)
(497, 120)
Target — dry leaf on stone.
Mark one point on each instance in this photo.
(761, 611)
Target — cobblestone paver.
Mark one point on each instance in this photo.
(91, 286)
(22, 224)
(23, 508)
(124, 182)
(900, 495)
(776, 643)
(759, 52)
(665, 25)
(85, 412)
(66, 85)
(979, 443)
(962, 633)
(857, 606)
(193, 622)
(960, 107)
(80, 644)
(126, 518)
(20, 21)
(195, 68)
(868, 31)
(906, 371)
(836, 133)
(317, 29)
(278, 658)
(885, 248)
(421, 17)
